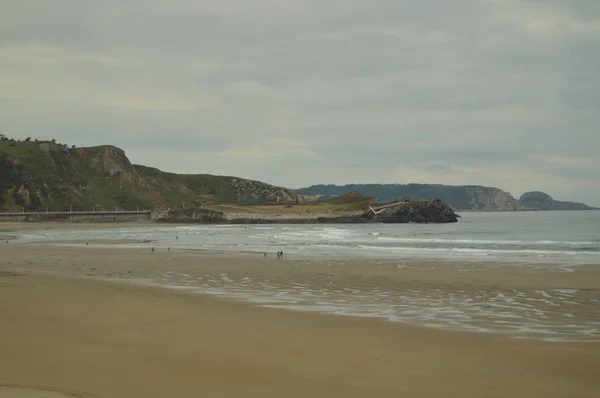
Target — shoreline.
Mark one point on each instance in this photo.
(119, 340)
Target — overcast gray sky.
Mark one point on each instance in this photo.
(297, 92)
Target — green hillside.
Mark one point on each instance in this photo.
(36, 175)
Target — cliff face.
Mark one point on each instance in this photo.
(36, 175)
(461, 197)
(484, 198)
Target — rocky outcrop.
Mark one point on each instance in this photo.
(536, 200)
(255, 191)
(106, 159)
(416, 211)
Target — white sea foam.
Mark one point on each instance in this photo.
(567, 292)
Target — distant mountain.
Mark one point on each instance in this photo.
(35, 175)
(460, 197)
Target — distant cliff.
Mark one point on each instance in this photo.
(460, 197)
(39, 174)
(542, 201)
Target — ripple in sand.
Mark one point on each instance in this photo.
(533, 314)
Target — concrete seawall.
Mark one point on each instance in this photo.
(208, 216)
(289, 217)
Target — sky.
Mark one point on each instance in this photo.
(500, 93)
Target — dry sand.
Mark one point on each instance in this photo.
(62, 328)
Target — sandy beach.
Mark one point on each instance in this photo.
(71, 322)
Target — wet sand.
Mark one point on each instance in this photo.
(121, 340)
(73, 321)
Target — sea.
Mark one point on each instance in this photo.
(543, 237)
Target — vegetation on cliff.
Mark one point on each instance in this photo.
(35, 175)
(542, 201)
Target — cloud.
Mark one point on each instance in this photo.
(296, 92)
